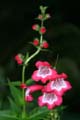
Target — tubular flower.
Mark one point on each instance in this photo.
(31, 89)
(44, 72)
(59, 85)
(50, 100)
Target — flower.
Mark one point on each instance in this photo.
(19, 59)
(59, 85)
(50, 100)
(45, 44)
(23, 86)
(31, 89)
(35, 27)
(35, 42)
(42, 30)
(44, 72)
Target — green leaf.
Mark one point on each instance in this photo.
(8, 115)
(43, 9)
(14, 107)
(61, 108)
(29, 81)
(39, 113)
(16, 94)
(15, 83)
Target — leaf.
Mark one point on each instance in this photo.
(61, 108)
(16, 94)
(16, 83)
(8, 115)
(39, 113)
(14, 107)
(29, 81)
(43, 9)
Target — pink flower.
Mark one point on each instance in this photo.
(44, 72)
(35, 42)
(41, 63)
(58, 86)
(31, 89)
(50, 100)
(62, 75)
(42, 30)
(45, 44)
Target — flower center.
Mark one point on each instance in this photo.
(58, 84)
(27, 92)
(44, 71)
(49, 98)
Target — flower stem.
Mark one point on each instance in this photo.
(23, 92)
(23, 73)
(23, 79)
(32, 56)
(24, 67)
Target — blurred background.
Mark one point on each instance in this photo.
(63, 35)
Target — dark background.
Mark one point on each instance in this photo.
(16, 20)
(63, 35)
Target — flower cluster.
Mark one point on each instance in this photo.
(53, 85)
(41, 29)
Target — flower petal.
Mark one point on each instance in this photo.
(59, 86)
(31, 89)
(50, 100)
(42, 63)
(44, 74)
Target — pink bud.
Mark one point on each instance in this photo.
(42, 30)
(23, 86)
(35, 42)
(35, 27)
(45, 44)
(18, 59)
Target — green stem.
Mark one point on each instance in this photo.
(41, 36)
(24, 66)
(23, 73)
(23, 92)
(23, 78)
(32, 56)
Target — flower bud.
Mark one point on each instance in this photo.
(42, 30)
(45, 44)
(35, 27)
(40, 17)
(36, 42)
(19, 59)
(23, 86)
